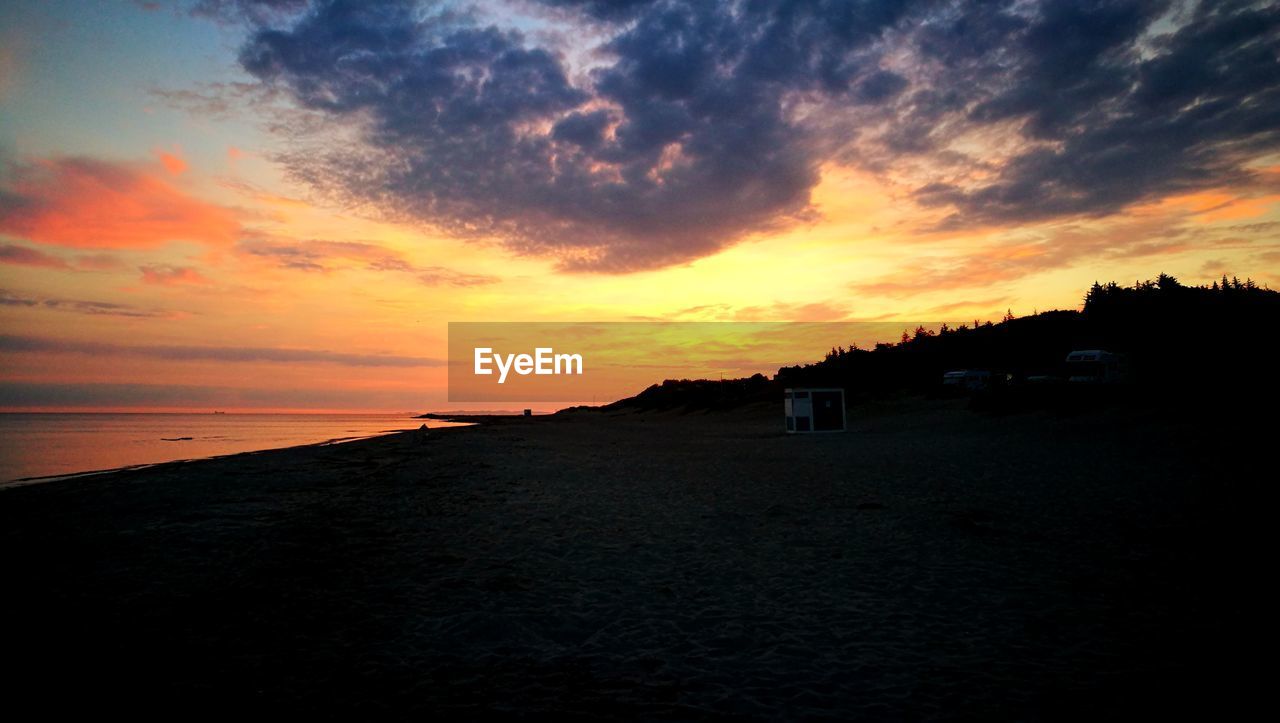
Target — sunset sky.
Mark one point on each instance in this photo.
(280, 204)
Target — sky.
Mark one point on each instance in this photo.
(280, 204)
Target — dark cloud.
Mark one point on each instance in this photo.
(1114, 106)
(15, 343)
(38, 394)
(92, 308)
(683, 144)
(324, 256)
(317, 255)
(880, 86)
(602, 9)
(25, 256)
(8, 298)
(586, 130)
(99, 262)
(699, 123)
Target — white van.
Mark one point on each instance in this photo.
(973, 380)
(1096, 366)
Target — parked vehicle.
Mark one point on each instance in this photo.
(1096, 366)
(973, 380)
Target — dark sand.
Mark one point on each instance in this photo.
(933, 563)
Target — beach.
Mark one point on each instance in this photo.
(932, 563)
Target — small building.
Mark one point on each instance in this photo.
(1096, 366)
(814, 410)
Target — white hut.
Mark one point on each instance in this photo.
(814, 410)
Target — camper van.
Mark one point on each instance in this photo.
(972, 380)
(1096, 366)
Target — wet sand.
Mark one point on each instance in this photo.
(933, 563)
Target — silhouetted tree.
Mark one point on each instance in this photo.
(1193, 341)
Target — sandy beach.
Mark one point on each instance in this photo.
(933, 563)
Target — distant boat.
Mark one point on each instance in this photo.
(219, 412)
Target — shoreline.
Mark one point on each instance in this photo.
(45, 479)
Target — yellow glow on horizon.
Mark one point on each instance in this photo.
(865, 253)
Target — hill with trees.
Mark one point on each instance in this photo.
(1195, 343)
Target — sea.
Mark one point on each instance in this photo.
(47, 445)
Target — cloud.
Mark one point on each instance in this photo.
(991, 303)
(602, 9)
(91, 308)
(439, 275)
(1215, 268)
(1012, 259)
(23, 256)
(881, 86)
(82, 395)
(324, 256)
(685, 143)
(172, 162)
(26, 256)
(87, 203)
(317, 255)
(168, 275)
(776, 311)
(11, 343)
(215, 100)
(99, 262)
(252, 11)
(1115, 103)
(693, 125)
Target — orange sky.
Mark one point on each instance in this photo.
(167, 263)
(163, 257)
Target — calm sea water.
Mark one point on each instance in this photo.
(38, 445)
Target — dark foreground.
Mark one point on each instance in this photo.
(934, 563)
